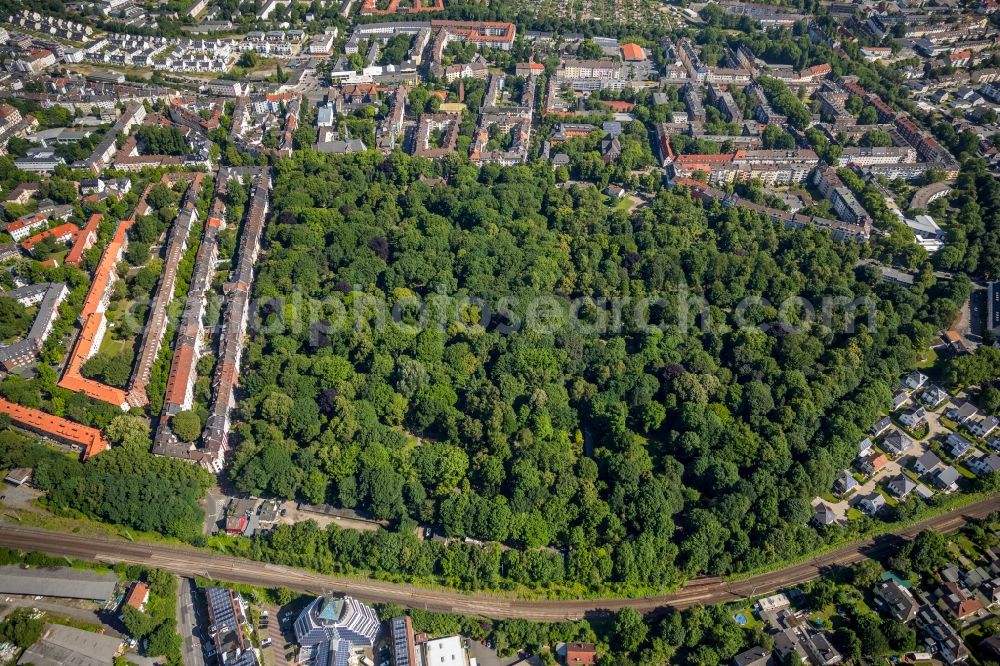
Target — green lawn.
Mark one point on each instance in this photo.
(113, 347)
(965, 471)
(948, 423)
(928, 359)
(889, 499)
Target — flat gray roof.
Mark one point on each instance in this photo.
(57, 582)
(68, 646)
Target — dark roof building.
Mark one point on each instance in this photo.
(60, 582)
(900, 601)
(227, 621)
(755, 656)
(580, 654)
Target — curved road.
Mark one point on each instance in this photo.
(189, 562)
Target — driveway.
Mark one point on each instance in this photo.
(278, 638)
(487, 657)
(19, 497)
(188, 623)
(215, 509)
(865, 489)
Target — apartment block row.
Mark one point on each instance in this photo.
(189, 345)
(235, 318)
(156, 321)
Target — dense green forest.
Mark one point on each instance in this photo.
(974, 232)
(124, 485)
(633, 457)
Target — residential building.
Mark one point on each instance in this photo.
(845, 483)
(772, 604)
(896, 443)
(940, 637)
(914, 417)
(824, 515)
(530, 68)
(224, 88)
(581, 654)
(137, 596)
(873, 463)
(872, 504)
(898, 600)
(987, 463)
(901, 486)
(820, 651)
(401, 640)
(959, 445)
(964, 413)
(34, 61)
(933, 396)
(959, 602)
(84, 240)
(915, 380)
(228, 627)
(62, 430)
(755, 656)
(926, 463)
(947, 479)
(985, 426)
(48, 297)
(881, 426)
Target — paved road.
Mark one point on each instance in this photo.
(91, 616)
(709, 590)
(187, 620)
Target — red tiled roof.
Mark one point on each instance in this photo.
(92, 315)
(699, 160)
(137, 595)
(90, 439)
(26, 221)
(580, 654)
(84, 240)
(632, 51)
(67, 230)
(480, 31)
(879, 461)
(968, 607)
(180, 372)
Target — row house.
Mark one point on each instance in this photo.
(234, 321)
(48, 297)
(870, 155)
(156, 321)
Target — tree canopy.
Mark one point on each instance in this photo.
(587, 450)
